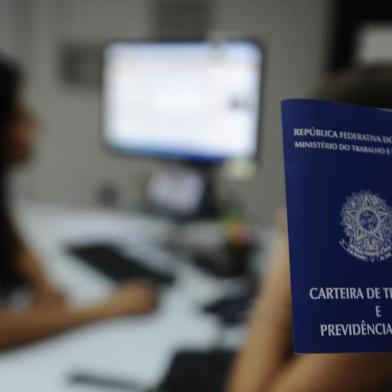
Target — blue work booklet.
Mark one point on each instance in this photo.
(338, 164)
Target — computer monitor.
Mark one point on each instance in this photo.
(196, 101)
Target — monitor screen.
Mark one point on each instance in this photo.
(195, 101)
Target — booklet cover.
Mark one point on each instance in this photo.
(338, 165)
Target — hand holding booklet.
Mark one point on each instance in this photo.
(338, 165)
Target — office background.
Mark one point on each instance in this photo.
(71, 164)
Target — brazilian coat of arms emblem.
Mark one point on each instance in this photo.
(367, 222)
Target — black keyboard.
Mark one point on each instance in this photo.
(111, 262)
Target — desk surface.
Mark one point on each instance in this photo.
(138, 348)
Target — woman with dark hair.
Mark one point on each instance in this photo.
(49, 312)
(266, 362)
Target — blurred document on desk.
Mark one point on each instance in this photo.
(338, 162)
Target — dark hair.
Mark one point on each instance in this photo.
(368, 85)
(10, 80)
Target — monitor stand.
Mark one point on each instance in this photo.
(184, 191)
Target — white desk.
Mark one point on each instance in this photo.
(136, 348)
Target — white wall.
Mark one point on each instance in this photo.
(5, 25)
(71, 162)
